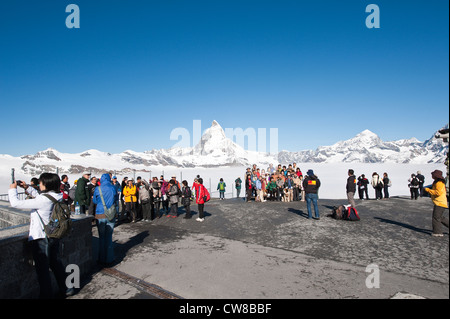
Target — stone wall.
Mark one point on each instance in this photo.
(10, 218)
(17, 275)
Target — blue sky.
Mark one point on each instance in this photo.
(136, 70)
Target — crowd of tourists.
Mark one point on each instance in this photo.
(138, 200)
(283, 184)
(141, 200)
(147, 200)
(274, 184)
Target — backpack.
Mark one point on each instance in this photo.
(60, 223)
(351, 214)
(188, 193)
(415, 182)
(222, 186)
(206, 196)
(110, 213)
(343, 213)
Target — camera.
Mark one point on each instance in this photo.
(19, 182)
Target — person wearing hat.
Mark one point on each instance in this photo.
(118, 189)
(105, 196)
(82, 195)
(311, 185)
(439, 197)
(221, 188)
(174, 192)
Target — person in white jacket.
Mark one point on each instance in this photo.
(377, 184)
(45, 250)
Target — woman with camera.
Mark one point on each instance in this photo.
(45, 250)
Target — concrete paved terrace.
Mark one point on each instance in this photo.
(273, 251)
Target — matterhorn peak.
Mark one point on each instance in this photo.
(213, 139)
(215, 131)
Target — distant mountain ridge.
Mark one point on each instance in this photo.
(367, 147)
(216, 150)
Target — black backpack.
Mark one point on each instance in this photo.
(341, 213)
(60, 223)
(351, 214)
(188, 193)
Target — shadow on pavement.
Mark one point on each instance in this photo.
(298, 212)
(393, 222)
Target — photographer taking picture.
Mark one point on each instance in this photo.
(45, 250)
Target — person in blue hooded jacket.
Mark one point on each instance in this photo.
(104, 226)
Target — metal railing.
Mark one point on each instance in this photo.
(5, 197)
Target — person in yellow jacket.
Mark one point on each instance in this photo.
(439, 197)
(129, 194)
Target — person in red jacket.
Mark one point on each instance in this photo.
(249, 188)
(195, 186)
(65, 188)
(202, 197)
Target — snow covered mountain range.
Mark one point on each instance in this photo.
(216, 150)
(367, 147)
